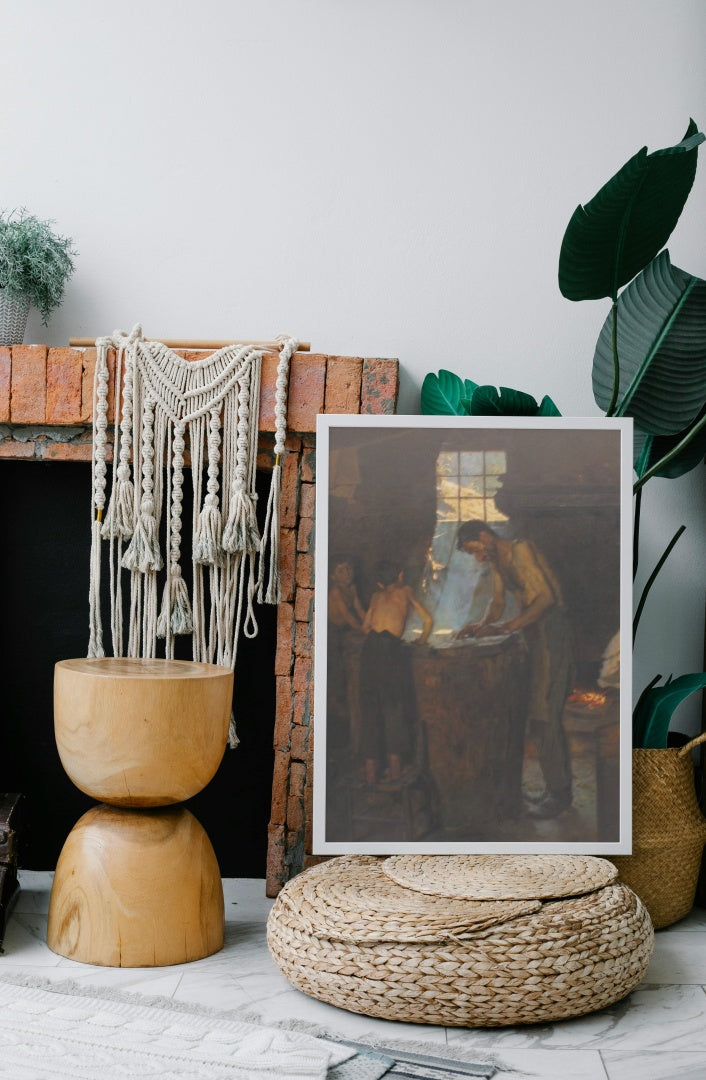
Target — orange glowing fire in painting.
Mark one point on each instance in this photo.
(589, 699)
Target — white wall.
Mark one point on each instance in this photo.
(382, 177)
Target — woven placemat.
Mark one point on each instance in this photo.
(500, 877)
(360, 903)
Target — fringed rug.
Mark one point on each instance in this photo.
(63, 1031)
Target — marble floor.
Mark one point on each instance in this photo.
(658, 1033)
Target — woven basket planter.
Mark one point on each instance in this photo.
(13, 318)
(455, 962)
(668, 833)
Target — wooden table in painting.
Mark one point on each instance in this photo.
(137, 883)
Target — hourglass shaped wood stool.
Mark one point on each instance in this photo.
(137, 883)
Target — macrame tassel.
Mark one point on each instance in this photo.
(273, 593)
(208, 549)
(120, 518)
(143, 552)
(233, 740)
(95, 640)
(241, 532)
(176, 608)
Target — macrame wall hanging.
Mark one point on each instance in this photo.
(161, 400)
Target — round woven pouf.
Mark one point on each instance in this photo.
(347, 933)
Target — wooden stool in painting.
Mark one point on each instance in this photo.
(137, 883)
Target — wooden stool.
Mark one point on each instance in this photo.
(137, 886)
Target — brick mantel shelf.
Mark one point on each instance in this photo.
(46, 399)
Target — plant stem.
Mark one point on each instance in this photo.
(691, 433)
(616, 365)
(652, 577)
(636, 533)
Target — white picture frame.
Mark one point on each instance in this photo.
(437, 746)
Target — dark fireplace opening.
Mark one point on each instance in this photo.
(44, 561)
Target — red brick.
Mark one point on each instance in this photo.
(301, 712)
(280, 788)
(275, 860)
(289, 501)
(11, 448)
(267, 391)
(295, 816)
(297, 779)
(305, 535)
(283, 712)
(307, 384)
(64, 378)
(287, 562)
(306, 391)
(343, 382)
(302, 673)
(307, 500)
(284, 654)
(303, 640)
(28, 400)
(300, 739)
(5, 375)
(380, 385)
(89, 368)
(54, 451)
(304, 605)
(309, 465)
(305, 571)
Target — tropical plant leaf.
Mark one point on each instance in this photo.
(648, 450)
(656, 706)
(610, 239)
(547, 407)
(661, 350)
(444, 394)
(503, 401)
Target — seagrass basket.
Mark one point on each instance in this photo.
(346, 933)
(668, 833)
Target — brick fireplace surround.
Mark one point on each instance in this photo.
(45, 415)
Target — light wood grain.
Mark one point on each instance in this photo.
(136, 888)
(195, 343)
(141, 732)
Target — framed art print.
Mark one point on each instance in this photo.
(473, 613)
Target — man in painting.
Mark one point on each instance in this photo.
(516, 566)
(385, 676)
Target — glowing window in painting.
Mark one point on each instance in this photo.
(467, 482)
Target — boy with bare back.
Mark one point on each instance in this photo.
(385, 675)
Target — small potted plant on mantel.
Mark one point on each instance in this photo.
(35, 264)
(649, 364)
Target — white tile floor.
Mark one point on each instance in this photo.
(658, 1033)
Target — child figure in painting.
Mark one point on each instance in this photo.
(385, 675)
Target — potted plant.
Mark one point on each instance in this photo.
(35, 264)
(649, 364)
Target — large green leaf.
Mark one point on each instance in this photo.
(654, 710)
(649, 450)
(661, 350)
(502, 401)
(610, 239)
(445, 394)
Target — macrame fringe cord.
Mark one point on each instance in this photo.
(159, 396)
(273, 593)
